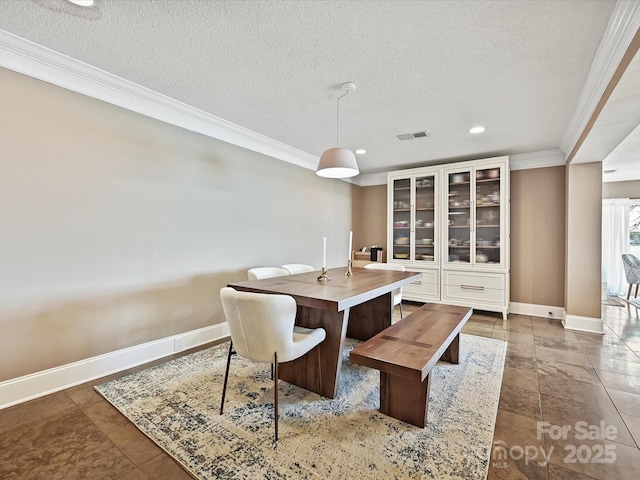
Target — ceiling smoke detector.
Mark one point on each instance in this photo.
(411, 136)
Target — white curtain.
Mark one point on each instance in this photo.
(615, 242)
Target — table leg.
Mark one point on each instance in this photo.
(405, 399)
(303, 371)
(452, 353)
(370, 318)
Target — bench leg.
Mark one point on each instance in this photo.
(403, 399)
(452, 353)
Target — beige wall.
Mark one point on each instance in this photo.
(356, 215)
(374, 225)
(537, 236)
(629, 189)
(118, 229)
(583, 247)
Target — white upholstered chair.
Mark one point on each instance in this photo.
(262, 329)
(266, 272)
(294, 268)
(632, 272)
(397, 294)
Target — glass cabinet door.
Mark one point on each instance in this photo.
(425, 219)
(459, 217)
(487, 215)
(402, 217)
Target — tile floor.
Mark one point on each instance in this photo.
(563, 378)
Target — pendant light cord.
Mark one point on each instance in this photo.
(346, 92)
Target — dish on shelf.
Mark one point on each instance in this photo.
(424, 182)
(427, 257)
(402, 241)
(427, 241)
(401, 255)
(481, 258)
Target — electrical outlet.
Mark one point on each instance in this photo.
(550, 313)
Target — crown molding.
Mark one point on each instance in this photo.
(543, 159)
(523, 161)
(371, 179)
(622, 27)
(33, 60)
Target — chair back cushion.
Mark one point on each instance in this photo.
(260, 324)
(631, 268)
(385, 266)
(397, 293)
(294, 268)
(266, 272)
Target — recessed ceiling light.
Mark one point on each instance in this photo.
(82, 3)
(477, 129)
(361, 151)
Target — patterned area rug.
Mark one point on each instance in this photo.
(176, 404)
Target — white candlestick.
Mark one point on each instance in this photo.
(350, 244)
(324, 252)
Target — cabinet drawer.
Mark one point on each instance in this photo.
(462, 286)
(424, 289)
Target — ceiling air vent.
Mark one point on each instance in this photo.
(411, 136)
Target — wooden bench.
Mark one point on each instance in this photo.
(406, 352)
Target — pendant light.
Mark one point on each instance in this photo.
(338, 162)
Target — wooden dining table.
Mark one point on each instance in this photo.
(358, 306)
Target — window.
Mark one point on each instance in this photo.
(634, 227)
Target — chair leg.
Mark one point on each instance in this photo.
(319, 371)
(629, 291)
(226, 375)
(401, 315)
(275, 391)
(636, 295)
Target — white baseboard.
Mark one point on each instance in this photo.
(28, 387)
(544, 311)
(583, 324)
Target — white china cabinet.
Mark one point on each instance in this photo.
(451, 222)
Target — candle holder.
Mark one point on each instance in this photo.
(323, 276)
(348, 273)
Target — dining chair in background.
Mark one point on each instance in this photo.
(262, 329)
(266, 272)
(397, 294)
(294, 268)
(632, 272)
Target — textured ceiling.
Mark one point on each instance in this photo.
(516, 67)
(624, 161)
